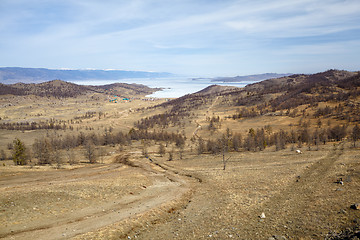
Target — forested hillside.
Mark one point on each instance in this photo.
(307, 109)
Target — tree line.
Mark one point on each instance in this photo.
(347, 111)
(261, 138)
(162, 120)
(54, 124)
(25, 126)
(47, 149)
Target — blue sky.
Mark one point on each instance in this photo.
(192, 37)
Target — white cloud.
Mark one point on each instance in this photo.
(300, 18)
(168, 35)
(322, 49)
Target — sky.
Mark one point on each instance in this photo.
(208, 38)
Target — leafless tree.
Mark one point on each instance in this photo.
(171, 155)
(201, 146)
(161, 150)
(90, 152)
(355, 134)
(3, 155)
(70, 154)
(43, 151)
(237, 141)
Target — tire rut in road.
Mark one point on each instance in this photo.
(167, 187)
(293, 209)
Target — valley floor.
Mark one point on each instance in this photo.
(194, 198)
(88, 178)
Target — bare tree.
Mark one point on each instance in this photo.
(56, 157)
(201, 146)
(71, 156)
(10, 146)
(3, 155)
(237, 141)
(249, 141)
(304, 135)
(181, 151)
(224, 145)
(355, 134)
(316, 139)
(102, 153)
(171, 155)
(281, 140)
(90, 152)
(43, 151)
(323, 136)
(224, 159)
(161, 150)
(337, 133)
(144, 150)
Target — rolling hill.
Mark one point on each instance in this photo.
(59, 88)
(286, 96)
(289, 91)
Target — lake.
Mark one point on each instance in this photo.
(172, 87)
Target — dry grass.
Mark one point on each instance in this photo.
(192, 198)
(227, 204)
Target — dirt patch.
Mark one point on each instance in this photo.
(56, 204)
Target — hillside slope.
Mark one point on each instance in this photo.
(284, 92)
(312, 98)
(58, 88)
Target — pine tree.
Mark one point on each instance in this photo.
(19, 152)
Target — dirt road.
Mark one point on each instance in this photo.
(198, 125)
(228, 204)
(69, 213)
(301, 208)
(188, 199)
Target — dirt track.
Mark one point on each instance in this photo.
(152, 188)
(301, 208)
(191, 198)
(304, 193)
(228, 203)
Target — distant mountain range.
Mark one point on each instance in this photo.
(9, 75)
(251, 78)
